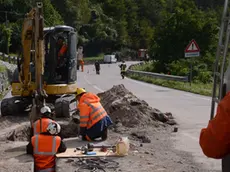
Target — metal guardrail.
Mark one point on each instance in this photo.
(7, 58)
(156, 75)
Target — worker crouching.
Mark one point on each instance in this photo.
(94, 120)
(41, 124)
(44, 147)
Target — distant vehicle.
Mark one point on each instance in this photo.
(110, 58)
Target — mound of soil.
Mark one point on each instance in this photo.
(126, 108)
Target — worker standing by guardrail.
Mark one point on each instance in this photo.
(123, 69)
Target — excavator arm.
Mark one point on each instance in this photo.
(33, 50)
(27, 39)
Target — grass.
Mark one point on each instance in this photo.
(2, 68)
(100, 57)
(198, 88)
(147, 67)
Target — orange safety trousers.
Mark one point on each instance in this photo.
(41, 125)
(82, 65)
(45, 148)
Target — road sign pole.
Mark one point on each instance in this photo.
(190, 72)
(192, 50)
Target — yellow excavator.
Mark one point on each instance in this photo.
(42, 76)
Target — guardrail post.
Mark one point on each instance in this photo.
(3, 56)
(9, 59)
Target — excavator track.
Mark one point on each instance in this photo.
(14, 106)
(65, 106)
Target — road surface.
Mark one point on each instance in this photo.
(190, 110)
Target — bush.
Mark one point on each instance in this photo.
(147, 67)
(204, 77)
(179, 68)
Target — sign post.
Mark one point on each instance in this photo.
(192, 50)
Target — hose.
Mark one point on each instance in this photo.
(96, 164)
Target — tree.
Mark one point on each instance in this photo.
(186, 22)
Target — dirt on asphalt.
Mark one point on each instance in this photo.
(148, 129)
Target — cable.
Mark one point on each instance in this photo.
(96, 164)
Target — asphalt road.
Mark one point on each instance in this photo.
(190, 110)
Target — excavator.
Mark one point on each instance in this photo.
(42, 76)
(221, 79)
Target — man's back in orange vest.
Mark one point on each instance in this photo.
(44, 147)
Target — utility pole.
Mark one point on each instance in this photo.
(7, 36)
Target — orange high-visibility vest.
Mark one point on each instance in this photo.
(62, 50)
(45, 148)
(96, 113)
(41, 125)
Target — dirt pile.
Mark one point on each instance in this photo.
(126, 108)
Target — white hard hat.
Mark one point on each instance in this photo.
(45, 109)
(54, 128)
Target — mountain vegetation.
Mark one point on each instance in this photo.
(164, 27)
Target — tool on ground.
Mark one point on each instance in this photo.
(102, 147)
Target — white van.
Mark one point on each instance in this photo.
(110, 59)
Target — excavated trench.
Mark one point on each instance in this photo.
(22, 132)
(125, 109)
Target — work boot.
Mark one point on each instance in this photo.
(83, 138)
(104, 134)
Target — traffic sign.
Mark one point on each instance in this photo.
(192, 49)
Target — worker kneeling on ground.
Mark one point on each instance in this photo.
(214, 140)
(44, 147)
(41, 124)
(94, 121)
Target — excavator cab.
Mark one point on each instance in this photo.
(60, 55)
(59, 77)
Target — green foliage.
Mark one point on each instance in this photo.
(164, 27)
(51, 16)
(5, 36)
(148, 67)
(2, 68)
(186, 22)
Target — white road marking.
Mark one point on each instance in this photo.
(190, 136)
(99, 89)
(203, 98)
(87, 80)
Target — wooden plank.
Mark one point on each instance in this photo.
(69, 153)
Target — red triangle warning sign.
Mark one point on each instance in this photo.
(192, 47)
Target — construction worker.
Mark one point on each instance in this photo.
(82, 65)
(42, 123)
(97, 67)
(123, 68)
(44, 147)
(214, 140)
(61, 51)
(94, 121)
(62, 47)
(80, 58)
